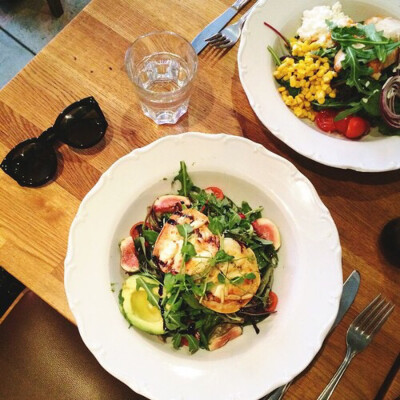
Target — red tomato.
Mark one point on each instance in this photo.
(357, 127)
(184, 341)
(218, 193)
(272, 302)
(136, 229)
(324, 120)
(341, 125)
(242, 216)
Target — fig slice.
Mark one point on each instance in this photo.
(267, 230)
(170, 203)
(129, 260)
(222, 334)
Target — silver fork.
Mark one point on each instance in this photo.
(359, 336)
(231, 34)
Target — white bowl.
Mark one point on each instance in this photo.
(373, 153)
(308, 280)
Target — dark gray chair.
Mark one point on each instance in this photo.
(42, 357)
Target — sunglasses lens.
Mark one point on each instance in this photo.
(83, 126)
(31, 163)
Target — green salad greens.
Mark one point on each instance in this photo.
(183, 294)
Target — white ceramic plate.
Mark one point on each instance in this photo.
(308, 280)
(373, 153)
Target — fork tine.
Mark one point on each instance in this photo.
(370, 316)
(381, 321)
(366, 310)
(213, 37)
(217, 41)
(223, 43)
(224, 46)
(377, 316)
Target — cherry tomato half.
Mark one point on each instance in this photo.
(342, 124)
(324, 120)
(357, 127)
(242, 216)
(218, 193)
(272, 302)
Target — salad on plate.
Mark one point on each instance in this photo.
(199, 267)
(340, 73)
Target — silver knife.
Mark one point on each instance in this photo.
(350, 289)
(212, 28)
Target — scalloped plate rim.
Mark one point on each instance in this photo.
(101, 184)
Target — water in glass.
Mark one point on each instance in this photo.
(162, 66)
(164, 78)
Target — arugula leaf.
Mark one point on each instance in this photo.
(177, 340)
(220, 257)
(185, 181)
(328, 52)
(221, 278)
(362, 34)
(237, 280)
(348, 112)
(250, 275)
(193, 343)
(169, 281)
(234, 219)
(245, 207)
(173, 321)
(148, 288)
(217, 225)
(357, 70)
(185, 230)
(371, 104)
(188, 251)
(192, 301)
(150, 235)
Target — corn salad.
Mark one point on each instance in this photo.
(312, 74)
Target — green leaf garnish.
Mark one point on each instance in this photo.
(186, 183)
(150, 235)
(148, 288)
(220, 257)
(185, 230)
(188, 250)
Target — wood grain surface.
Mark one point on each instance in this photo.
(86, 58)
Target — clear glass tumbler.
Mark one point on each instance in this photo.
(162, 66)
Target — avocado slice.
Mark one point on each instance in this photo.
(136, 307)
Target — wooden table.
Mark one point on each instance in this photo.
(86, 58)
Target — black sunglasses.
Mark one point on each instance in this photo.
(34, 161)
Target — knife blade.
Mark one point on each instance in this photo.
(350, 289)
(215, 26)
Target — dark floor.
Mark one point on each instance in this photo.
(26, 26)
(10, 288)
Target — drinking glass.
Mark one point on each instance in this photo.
(162, 66)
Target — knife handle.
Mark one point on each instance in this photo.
(238, 4)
